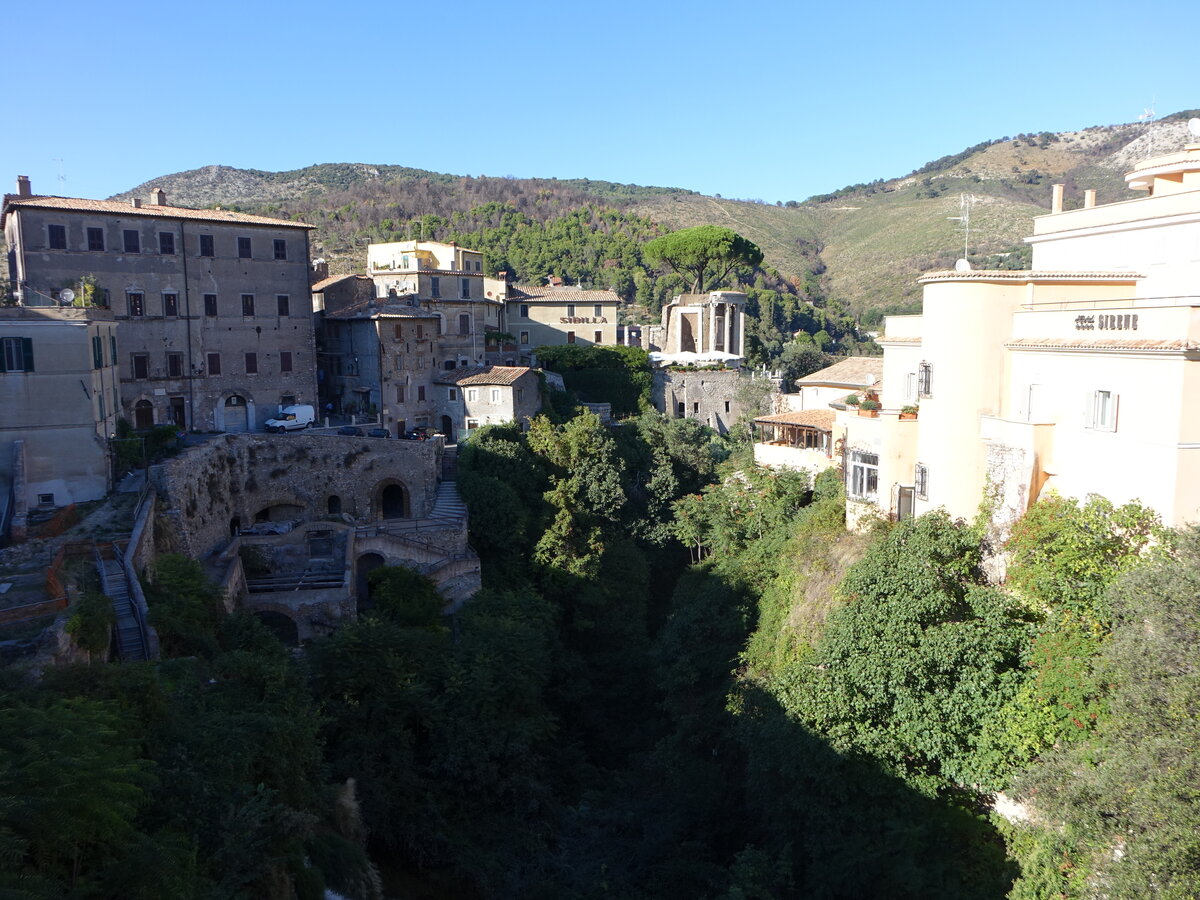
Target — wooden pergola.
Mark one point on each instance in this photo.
(809, 429)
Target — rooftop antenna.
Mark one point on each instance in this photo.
(965, 202)
(1147, 118)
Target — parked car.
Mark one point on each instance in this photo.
(378, 432)
(352, 430)
(417, 434)
(292, 418)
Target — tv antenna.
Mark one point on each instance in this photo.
(1148, 113)
(965, 202)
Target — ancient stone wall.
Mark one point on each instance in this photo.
(230, 482)
(710, 396)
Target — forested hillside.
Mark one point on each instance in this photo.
(860, 247)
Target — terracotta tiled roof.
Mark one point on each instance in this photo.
(334, 279)
(389, 308)
(814, 418)
(1027, 275)
(483, 375)
(124, 208)
(526, 293)
(853, 371)
(1064, 344)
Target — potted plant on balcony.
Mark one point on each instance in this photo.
(851, 400)
(869, 408)
(908, 412)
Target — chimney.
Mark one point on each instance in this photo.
(1056, 199)
(503, 276)
(1089, 199)
(23, 188)
(136, 202)
(158, 196)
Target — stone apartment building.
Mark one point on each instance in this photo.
(556, 314)
(446, 280)
(59, 397)
(488, 395)
(212, 307)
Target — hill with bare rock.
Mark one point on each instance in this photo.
(862, 246)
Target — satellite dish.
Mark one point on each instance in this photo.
(66, 296)
(1194, 127)
(962, 266)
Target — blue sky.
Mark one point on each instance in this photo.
(767, 100)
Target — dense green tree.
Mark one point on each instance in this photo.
(706, 254)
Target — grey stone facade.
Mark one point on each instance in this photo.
(716, 397)
(213, 309)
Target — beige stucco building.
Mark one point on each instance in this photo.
(1081, 375)
(557, 314)
(59, 402)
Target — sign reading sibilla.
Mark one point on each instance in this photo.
(1107, 322)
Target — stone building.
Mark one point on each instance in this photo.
(214, 323)
(379, 357)
(59, 398)
(446, 280)
(489, 395)
(556, 314)
(704, 326)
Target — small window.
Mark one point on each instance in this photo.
(112, 349)
(520, 394)
(695, 409)
(524, 310)
(399, 393)
(525, 338)
(251, 363)
(247, 304)
(420, 392)
(170, 304)
(398, 331)
(210, 304)
(95, 238)
(599, 337)
(137, 304)
(924, 380)
(97, 352)
(244, 249)
(166, 243)
(864, 475)
(680, 409)
(452, 393)
(472, 395)
(45, 499)
(726, 406)
(570, 337)
(283, 305)
(56, 237)
(285, 361)
(16, 354)
(464, 324)
(597, 311)
(570, 310)
(214, 364)
(133, 241)
(921, 481)
(206, 245)
(495, 395)
(435, 287)
(1101, 411)
(466, 288)
(404, 262)
(280, 248)
(449, 364)
(175, 365)
(141, 365)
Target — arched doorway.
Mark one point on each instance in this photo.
(283, 627)
(367, 563)
(235, 526)
(236, 420)
(334, 505)
(391, 501)
(448, 429)
(143, 415)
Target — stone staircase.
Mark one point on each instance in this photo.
(131, 644)
(447, 504)
(450, 462)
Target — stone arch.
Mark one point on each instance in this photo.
(391, 500)
(364, 566)
(235, 526)
(281, 625)
(279, 512)
(333, 506)
(233, 412)
(448, 429)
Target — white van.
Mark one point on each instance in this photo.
(292, 418)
